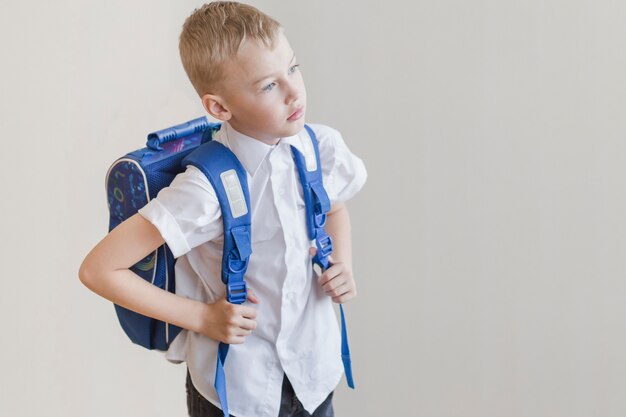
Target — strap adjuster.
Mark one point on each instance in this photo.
(237, 266)
(324, 246)
(324, 249)
(319, 220)
(237, 292)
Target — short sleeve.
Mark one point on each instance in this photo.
(343, 173)
(186, 213)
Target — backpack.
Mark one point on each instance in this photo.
(137, 177)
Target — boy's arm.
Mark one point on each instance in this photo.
(338, 281)
(338, 227)
(105, 271)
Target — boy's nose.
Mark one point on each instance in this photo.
(293, 93)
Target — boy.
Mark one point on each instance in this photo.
(284, 357)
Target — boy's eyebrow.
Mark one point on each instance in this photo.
(268, 76)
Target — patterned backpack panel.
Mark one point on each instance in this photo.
(131, 182)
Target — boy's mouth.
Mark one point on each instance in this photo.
(297, 114)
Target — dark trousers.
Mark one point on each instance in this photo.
(290, 406)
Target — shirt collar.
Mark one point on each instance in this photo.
(295, 141)
(292, 140)
(250, 151)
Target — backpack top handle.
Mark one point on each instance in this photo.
(158, 138)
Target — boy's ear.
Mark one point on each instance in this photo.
(214, 105)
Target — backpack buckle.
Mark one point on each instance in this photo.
(236, 266)
(324, 246)
(319, 220)
(324, 249)
(237, 292)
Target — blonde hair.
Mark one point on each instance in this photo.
(212, 35)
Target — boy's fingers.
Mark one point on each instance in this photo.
(323, 279)
(336, 282)
(329, 274)
(339, 291)
(252, 297)
(248, 312)
(343, 298)
(248, 325)
(244, 333)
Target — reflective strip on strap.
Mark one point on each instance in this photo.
(234, 193)
(309, 153)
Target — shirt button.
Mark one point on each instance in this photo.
(281, 191)
(290, 296)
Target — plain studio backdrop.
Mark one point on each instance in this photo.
(489, 240)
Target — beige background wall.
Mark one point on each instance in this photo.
(489, 241)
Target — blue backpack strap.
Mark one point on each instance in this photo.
(229, 179)
(317, 205)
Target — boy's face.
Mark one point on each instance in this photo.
(262, 94)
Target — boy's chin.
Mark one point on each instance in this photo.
(295, 127)
(290, 129)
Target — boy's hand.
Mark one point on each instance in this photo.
(227, 322)
(338, 282)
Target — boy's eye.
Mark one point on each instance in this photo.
(269, 87)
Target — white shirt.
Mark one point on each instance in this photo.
(297, 331)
